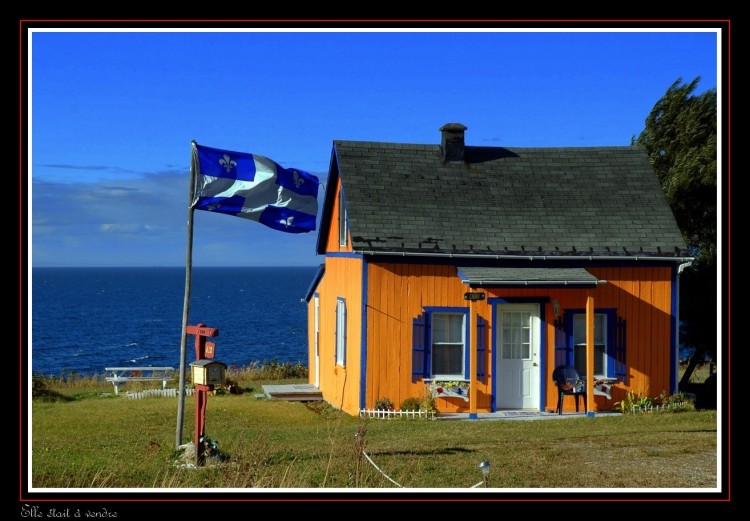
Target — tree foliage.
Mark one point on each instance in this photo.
(680, 138)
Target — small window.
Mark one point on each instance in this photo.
(600, 343)
(448, 345)
(343, 220)
(340, 332)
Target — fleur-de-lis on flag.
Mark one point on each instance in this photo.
(288, 221)
(227, 162)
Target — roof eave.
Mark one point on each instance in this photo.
(530, 257)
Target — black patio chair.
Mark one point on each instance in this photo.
(569, 383)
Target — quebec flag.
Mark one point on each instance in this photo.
(254, 187)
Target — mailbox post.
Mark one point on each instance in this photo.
(206, 373)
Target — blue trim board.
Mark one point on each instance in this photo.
(345, 254)
(316, 280)
(446, 309)
(363, 341)
(518, 300)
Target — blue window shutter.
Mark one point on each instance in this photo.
(481, 350)
(419, 348)
(621, 371)
(561, 350)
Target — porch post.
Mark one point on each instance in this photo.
(590, 351)
(472, 361)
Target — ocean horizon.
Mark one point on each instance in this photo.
(85, 319)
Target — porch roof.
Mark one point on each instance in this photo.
(538, 277)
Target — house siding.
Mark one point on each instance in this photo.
(398, 292)
(332, 244)
(339, 384)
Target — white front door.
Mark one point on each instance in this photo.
(517, 344)
(316, 337)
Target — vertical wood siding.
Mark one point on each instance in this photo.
(340, 385)
(398, 292)
(643, 297)
(332, 245)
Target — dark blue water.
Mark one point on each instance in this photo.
(86, 319)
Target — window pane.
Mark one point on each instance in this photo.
(600, 343)
(447, 327)
(340, 332)
(456, 328)
(599, 358)
(580, 359)
(579, 329)
(507, 351)
(600, 329)
(343, 229)
(447, 359)
(439, 328)
(516, 319)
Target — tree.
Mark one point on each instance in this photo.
(680, 138)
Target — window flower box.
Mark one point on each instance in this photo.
(449, 388)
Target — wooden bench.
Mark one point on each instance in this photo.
(121, 375)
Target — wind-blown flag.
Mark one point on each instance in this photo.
(254, 187)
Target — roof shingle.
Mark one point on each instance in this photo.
(551, 201)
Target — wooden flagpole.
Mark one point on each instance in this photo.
(186, 301)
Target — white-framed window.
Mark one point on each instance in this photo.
(516, 335)
(343, 221)
(340, 332)
(448, 345)
(600, 343)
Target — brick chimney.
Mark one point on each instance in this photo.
(452, 142)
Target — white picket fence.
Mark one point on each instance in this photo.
(652, 408)
(150, 393)
(389, 415)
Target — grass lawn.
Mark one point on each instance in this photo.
(88, 438)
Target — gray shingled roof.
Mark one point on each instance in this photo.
(487, 276)
(510, 201)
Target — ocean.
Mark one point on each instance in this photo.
(86, 319)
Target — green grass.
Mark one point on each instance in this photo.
(83, 437)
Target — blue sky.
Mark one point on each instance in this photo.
(112, 114)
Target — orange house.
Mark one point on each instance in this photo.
(478, 270)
